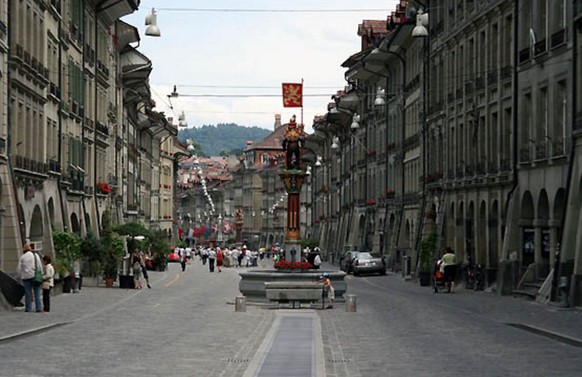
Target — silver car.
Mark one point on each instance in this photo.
(369, 262)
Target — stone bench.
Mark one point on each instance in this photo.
(294, 292)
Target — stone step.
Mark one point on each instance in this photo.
(531, 293)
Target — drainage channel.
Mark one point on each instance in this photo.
(548, 334)
(26, 334)
(292, 350)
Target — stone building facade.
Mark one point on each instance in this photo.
(469, 132)
(78, 132)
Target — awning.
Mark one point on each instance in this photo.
(126, 34)
(338, 119)
(348, 101)
(113, 10)
(135, 71)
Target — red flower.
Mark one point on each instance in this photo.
(103, 187)
(286, 265)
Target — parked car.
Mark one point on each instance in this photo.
(346, 261)
(369, 262)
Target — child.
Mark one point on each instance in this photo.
(324, 278)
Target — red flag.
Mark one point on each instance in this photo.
(292, 95)
(226, 227)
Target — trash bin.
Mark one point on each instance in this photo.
(68, 283)
(126, 282)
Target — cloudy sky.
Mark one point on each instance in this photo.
(241, 57)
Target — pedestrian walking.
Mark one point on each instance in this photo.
(219, 259)
(211, 259)
(204, 255)
(241, 255)
(48, 282)
(328, 288)
(28, 264)
(450, 269)
(136, 267)
(316, 260)
(183, 260)
(144, 269)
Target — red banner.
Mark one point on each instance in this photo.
(292, 95)
(226, 227)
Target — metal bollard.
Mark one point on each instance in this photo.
(350, 303)
(240, 304)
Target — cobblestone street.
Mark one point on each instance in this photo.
(186, 325)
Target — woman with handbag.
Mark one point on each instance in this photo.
(48, 282)
(29, 274)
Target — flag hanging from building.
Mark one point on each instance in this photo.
(226, 227)
(292, 95)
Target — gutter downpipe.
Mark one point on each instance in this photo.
(515, 104)
(573, 280)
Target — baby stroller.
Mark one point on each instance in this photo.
(438, 278)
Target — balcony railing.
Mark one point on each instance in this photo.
(540, 47)
(558, 38)
(524, 55)
(505, 164)
(541, 150)
(558, 147)
(524, 154)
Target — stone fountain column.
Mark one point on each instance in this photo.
(293, 177)
(293, 181)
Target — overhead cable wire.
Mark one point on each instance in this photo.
(241, 10)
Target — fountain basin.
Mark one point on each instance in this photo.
(252, 283)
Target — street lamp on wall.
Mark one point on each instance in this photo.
(318, 161)
(355, 122)
(151, 21)
(420, 30)
(379, 101)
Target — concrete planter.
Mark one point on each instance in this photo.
(252, 283)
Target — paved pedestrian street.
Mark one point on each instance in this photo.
(186, 325)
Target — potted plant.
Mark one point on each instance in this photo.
(67, 252)
(92, 250)
(158, 244)
(426, 252)
(114, 251)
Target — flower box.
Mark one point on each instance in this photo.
(103, 187)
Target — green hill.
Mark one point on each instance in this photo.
(223, 138)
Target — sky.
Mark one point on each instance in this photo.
(250, 54)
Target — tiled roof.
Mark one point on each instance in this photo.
(273, 141)
(372, 28)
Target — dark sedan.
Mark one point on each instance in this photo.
(369, 263)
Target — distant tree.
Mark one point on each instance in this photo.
(214, 139)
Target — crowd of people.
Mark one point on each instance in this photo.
(36, 273)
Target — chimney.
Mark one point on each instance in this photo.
(277, 121)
